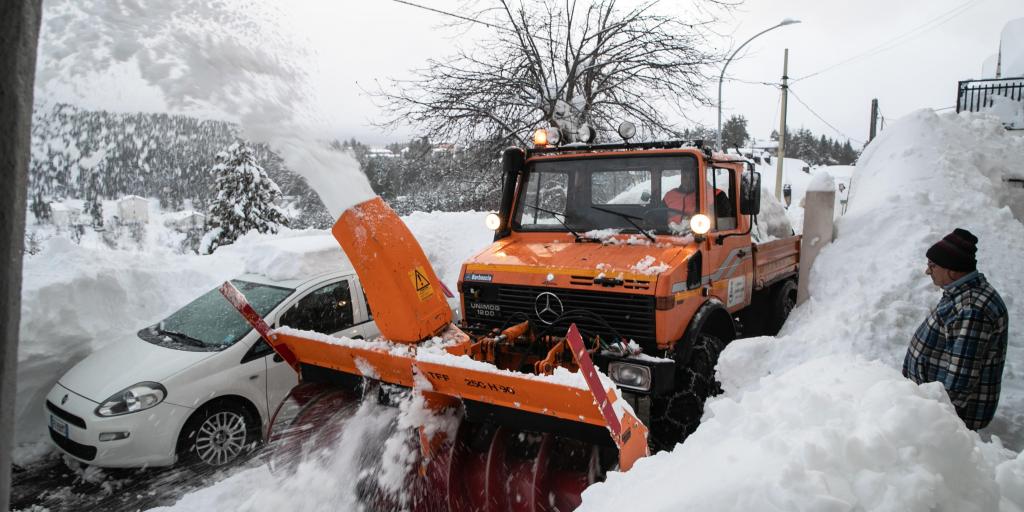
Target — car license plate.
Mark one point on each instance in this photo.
(58, 426)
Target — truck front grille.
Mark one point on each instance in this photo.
(630, 316)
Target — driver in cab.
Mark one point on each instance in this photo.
(681, 200)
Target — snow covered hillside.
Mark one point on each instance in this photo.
(77, 299)
(820, 418)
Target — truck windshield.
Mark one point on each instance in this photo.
(657, 193)
(211, 322)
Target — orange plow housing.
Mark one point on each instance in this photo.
(540, 424)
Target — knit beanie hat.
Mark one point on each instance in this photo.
(956, 251)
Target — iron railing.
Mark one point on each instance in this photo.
(977, 95)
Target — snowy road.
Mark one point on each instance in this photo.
(51, 485)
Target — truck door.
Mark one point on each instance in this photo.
(729, 265)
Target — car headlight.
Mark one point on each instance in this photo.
(138, 397)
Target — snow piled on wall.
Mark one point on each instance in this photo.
(820, 418)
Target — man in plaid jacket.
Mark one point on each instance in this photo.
(962, 343)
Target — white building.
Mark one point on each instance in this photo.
(185, 220)
(63, 215)
(133, 210)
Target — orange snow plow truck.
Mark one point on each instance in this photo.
(591, 326)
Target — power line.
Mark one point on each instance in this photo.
(900, 39)
(466, 18)
(811, 110)
(446, 13)
(752, 82)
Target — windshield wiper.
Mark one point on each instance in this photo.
(579, 237)
(182, 337)
(629, 218)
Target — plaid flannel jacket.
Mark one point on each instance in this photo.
(962, 344)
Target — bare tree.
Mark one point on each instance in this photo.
(551, 62)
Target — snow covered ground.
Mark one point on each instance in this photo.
(820, 418)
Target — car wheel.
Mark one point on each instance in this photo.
(676, 415)
(217, 435)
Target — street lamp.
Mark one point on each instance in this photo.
(783, 23)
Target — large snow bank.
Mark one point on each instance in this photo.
(76, 300)
(820, 417)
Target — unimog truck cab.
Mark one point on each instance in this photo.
(647, 248)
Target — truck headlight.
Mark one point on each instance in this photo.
(630, 376)
(138, 397)
(700, 224)
(492, 221)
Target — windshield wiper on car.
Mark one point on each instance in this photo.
(189, 340)
(629, 218)
(579, 237)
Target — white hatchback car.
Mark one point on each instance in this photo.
(201, 385)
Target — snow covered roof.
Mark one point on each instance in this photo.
(132, 198)
(182, 215)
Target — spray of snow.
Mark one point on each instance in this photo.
(820, 418)
(200, 56)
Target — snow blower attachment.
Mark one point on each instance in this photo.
(539, 425)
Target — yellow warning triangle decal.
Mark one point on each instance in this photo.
(421, 281)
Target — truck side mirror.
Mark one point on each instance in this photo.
(750, 193)
(646, 196)
(513, 161)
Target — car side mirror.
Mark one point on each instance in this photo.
(645, 197)
(750, 193)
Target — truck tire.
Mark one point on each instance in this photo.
(677, 415)
(782, 302)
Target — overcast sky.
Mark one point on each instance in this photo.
(921, 49)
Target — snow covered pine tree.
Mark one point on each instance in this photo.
(245, 199)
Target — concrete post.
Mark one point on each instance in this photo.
(819, 209)
(19, 34)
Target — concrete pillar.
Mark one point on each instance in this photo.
(819, 209)
(19, 34)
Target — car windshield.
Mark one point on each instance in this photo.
(657, 193)
(211, 322)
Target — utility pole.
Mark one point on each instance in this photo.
(782, 127)
(19, 36)
(874, 120)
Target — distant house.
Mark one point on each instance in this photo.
(445, 147)
(380, 153)
(133, 210)
(187, 220)
(63, 215)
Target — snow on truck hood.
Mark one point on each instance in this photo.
(124, 363)
(640, 261)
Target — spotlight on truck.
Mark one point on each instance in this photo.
(492, 221)
(700, 224)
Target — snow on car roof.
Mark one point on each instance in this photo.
(295, 258)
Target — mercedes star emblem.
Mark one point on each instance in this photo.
(548, 307)
(64, 400)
